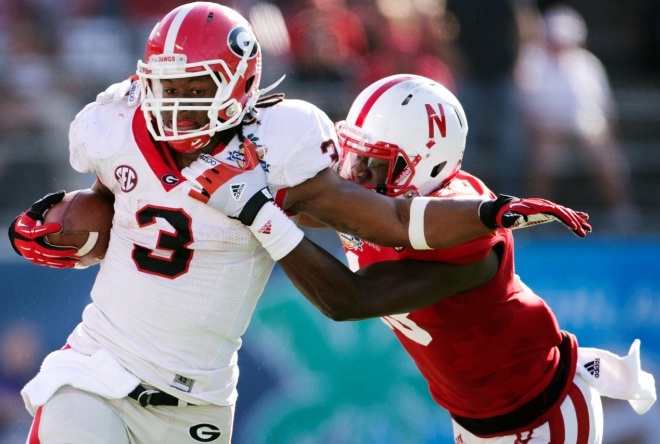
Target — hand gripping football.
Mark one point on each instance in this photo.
(86, 219)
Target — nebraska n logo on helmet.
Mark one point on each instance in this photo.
(194, 40)
(411, 122)
(436, 119)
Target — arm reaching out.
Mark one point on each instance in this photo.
(438, 223)
(420, 223)
(375, 290)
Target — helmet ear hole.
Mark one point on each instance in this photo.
(436, 169)
(399, 165)
(248, 84)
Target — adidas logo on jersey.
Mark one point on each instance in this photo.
(459, 440)
(593, 367)
(237, 190)
(266, 228)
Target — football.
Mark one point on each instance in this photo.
(86, 219)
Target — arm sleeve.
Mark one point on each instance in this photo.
(79, 133)
(97, 133)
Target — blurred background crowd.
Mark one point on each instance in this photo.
(562, 98)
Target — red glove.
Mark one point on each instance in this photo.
(512, 212)
(27, 233)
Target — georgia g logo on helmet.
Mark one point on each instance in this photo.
(239, 40)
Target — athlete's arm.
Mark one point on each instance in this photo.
(420, 223)
(351, 209)
(379, 289)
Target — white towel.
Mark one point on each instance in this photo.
(99, 373)
(618, 378)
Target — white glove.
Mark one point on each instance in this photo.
(128, 90)
(238, 193)
(242, 193)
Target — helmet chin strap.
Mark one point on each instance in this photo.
(253, 100)
(381, 188)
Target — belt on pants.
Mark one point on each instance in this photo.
(153, 397)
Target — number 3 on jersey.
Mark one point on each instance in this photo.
(175, 244)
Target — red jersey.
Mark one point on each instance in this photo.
(484, 352)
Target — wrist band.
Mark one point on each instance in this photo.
(416, 223)
(489, 209)
(254, 205)
(276, 232)
(485, 213)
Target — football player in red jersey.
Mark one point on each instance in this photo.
(490, 349)
(155, 353)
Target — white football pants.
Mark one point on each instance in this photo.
(73, 416)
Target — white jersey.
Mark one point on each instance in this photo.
(180, 281)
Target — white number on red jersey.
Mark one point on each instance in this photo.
(408, 327)
(398, 321)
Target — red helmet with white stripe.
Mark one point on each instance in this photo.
(414, 124)
(199, 39)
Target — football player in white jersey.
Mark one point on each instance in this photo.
(154, 358)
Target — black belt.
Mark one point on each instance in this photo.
(153, 397)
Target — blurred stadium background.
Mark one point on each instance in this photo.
(305, 379)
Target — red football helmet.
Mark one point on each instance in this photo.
(199, 39)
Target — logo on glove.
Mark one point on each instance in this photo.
(237, 190)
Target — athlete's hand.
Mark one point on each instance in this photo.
(241, 192)
(512, 212)
(27, 232)
(237, 191)
(128, 90)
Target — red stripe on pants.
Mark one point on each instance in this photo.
(34, 430)
(557, 433)
(582, 413)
